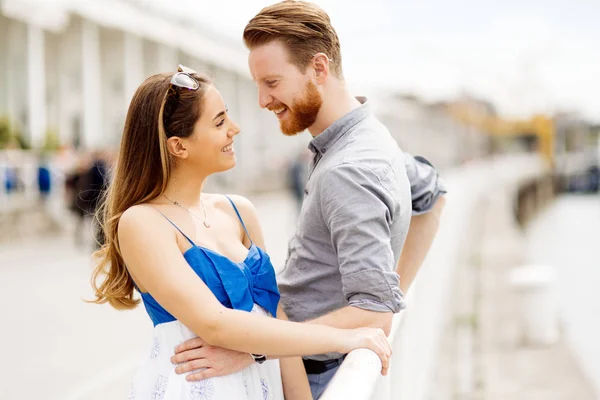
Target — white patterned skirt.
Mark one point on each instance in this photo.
(156, 379)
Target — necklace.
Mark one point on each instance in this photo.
(176, 203)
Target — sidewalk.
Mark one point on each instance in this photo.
(511, 369)
(56, 346)
(484, 356)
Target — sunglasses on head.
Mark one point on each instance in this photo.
(182, 79)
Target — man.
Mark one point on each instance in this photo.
(345, 258)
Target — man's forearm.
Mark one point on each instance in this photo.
(354, 317)
(421, 233)
(294, 379)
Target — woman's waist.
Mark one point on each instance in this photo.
(172, 333)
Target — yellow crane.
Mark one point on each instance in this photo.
(540, 126)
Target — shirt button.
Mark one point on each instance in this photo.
(305, 191)
(324, 150)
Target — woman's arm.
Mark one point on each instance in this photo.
(194, 353)
(150, 251)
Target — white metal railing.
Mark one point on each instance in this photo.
(417, 331)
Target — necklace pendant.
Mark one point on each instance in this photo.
(206, 224)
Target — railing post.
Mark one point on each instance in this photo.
(361, 365)
(539, 321)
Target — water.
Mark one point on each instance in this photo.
(566, 236)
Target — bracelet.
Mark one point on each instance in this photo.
(259, 358)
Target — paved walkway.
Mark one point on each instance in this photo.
(511, 369)
(566, 236)
(484, 356)
(54, 345)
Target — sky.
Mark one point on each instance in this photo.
(526, 56)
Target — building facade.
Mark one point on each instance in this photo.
(70, 68)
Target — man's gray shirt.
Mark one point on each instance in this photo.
(354, 220)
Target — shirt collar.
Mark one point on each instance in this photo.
(339, 128)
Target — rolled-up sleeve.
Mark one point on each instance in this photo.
(425, 184)
(358, 211)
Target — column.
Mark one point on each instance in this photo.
(52, 67)
(36, 86)
(90, 57)
(16, 72)
(167, 58)
(133, 67)
(65, 128)
(4, 22)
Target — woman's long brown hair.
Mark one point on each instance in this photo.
(141, 173)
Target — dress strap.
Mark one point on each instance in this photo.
(240, 217)
(176, 227)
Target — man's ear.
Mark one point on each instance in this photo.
(176, 147)
(321, 66)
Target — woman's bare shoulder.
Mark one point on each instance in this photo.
(249, 216)
(141, 217)
(243, 204)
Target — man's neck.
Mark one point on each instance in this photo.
(336, 104)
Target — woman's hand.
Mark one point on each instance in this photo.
(369, 338)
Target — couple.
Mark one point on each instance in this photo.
(198, 260)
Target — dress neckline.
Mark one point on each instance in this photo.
(248, 255)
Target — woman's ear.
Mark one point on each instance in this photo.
(176, 147)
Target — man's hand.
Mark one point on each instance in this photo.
(195, 354)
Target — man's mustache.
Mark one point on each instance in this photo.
(276, 107)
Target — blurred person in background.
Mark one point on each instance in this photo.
(45, 187)
(44, 179)
(11, 180)
(14, 160)
(95, 183)
(198, 259)
(344, 260)
(72, 187)
(85, 187)
(298, 176)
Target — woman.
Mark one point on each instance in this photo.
(198, 259)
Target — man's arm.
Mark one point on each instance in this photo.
(354, 317)
(427, 196)
(358, 210)
(293, 375)
(425, 184)
(427, 199)
(423, 229)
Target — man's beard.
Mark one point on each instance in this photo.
(303, 112)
